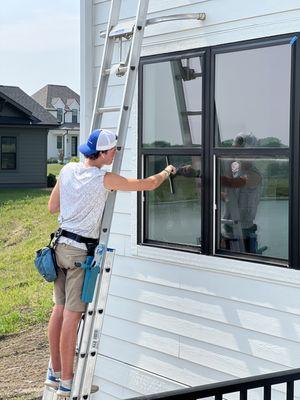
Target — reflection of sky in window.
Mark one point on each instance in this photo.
(161, 117)
(253, 92)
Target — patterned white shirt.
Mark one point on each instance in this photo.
(82, 201)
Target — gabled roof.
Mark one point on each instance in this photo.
(45, 95)
(22, 101)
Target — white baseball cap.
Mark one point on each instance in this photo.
(99, 140)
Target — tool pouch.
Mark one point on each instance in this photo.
(45, 263)
(45, 260)
(90, 278)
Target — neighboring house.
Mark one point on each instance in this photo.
(24, 126)
(190, 302)
(64, 104)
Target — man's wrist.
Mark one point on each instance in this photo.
(169, 173)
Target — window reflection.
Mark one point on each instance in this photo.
(253, 201)
(173, 211)
(172, 103)
(252, 94)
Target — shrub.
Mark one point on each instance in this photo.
(51, 180)
(74, 159)
(52, 160)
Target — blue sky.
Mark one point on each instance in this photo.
(40, 44)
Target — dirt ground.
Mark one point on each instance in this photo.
(23, 364)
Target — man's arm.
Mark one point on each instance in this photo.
(117, 182)
(54, 202)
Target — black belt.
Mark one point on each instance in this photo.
(77, 238)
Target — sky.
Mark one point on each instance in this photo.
(40, 44)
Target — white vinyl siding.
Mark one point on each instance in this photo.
(175, 319)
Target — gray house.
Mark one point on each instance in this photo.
(24, 126)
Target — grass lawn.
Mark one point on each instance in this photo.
(54, 169)
(25, 298)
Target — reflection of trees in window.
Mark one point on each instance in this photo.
(264, 142)
(227, 143)
(277, 184)
(270, 142)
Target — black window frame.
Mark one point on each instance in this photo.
(59, 115)
(59, 137)
(74, 116)
(192, 151)
(15, 152)
(74, 153)
(209, 230)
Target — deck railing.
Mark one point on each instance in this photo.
(241, 386)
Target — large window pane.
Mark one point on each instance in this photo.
(173, 211)
(59, 142)
(74, 146)
(252, 96)
(172, 103)
(8, 152)
(253, 206)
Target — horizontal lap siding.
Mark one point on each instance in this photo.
(169, 325)
(156, 321)
(31, 158)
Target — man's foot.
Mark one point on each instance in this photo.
(63, 392)
(52, 380)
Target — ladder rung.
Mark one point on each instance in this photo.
(108, 109)
(192, 112)
(122, 30)
(117, 69)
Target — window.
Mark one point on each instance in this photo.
(74, 146)
(225, 118)
(59, 142)
(8, 152)
(252, 128)
(74, 116)
(172, 127)
(60, 115)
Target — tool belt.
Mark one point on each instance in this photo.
(90, 243)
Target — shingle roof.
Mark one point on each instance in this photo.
(29, 105)
(45, 95)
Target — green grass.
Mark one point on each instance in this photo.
(25, 298)
(54, 169)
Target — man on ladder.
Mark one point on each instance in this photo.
(80, 196)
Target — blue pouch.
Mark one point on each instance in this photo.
(45, 263)
(92, 269)
(90, 277)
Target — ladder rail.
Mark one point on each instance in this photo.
(100, 96)
(107, 56)
(121, 132)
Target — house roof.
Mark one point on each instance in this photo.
(45, 95)
(70, 125)
(19, 99)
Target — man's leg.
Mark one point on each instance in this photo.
(54, 333)
(68, 342)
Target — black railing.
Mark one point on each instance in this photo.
(241, 386)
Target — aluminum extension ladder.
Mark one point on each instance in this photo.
(116, 33)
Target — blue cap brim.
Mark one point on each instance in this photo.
(86, 150)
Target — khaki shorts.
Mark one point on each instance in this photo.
(68, 285)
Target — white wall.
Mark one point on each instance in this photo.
(175, 319)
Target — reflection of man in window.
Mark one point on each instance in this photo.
(241, 191)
